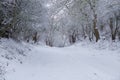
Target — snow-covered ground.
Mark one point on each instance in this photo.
(77, 62)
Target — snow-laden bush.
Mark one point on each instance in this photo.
(2, 71)
(13, 50)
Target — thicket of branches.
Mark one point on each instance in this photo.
(60, 22)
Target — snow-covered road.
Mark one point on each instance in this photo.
(70, 63)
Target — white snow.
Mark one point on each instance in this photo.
(78, 62)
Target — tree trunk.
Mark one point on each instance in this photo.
(35, 37)
(96, 32)
(113, 32)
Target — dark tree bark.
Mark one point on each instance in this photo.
(35, 37)
(96, 32)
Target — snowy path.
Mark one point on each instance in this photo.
(72, 63)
